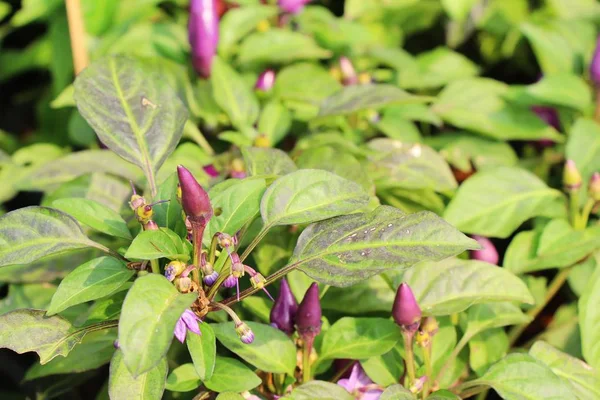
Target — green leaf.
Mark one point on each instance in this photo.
(183, 379)
(443, 395)
(386, 369)
(30, 233)
(203, 350)
(147, 386)
(271, 350)
(358, 338)
(362, 97)
(233, 95)
(267, 161)
(30, 330)
(135, 113)
(95, 279)
(239, 22)
(589, 318)
(279, 46)
(411, 166)
(495, 202)
(458, 9)
(94, 215)
(150, 311)
(231, 375)
(239, 202)
(107, 308)
(584, 380)
(397, 392)
(291, 85)
(344, 250)
(95, 350)
(370, 295)
(164, 242)
(522, 377)
(310, 195)
(482, 317)
(583, 147)
(487, 348)
(566, 90)
(229, 396)
(320, 390)
(33, 295)
(452, 285)
(274, 122)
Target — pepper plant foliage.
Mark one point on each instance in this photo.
(281, 204)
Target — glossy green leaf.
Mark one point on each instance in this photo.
(522, 377)
(94, 215)
(271, 350)
(135, 113)
(565, 90)
(203, 350)
(291, 85)
(33, 295)
(344, 250)
(107, 308)
(233, 95)
(458, 9)
(589, 317)
(183, 379)
(584, 379)
(279, 46)
(362, 97)
(239, 22)
(320, 390)
(370, 295)
(487, 348)
(397, 392)
(150, 312)
(452, 285)
(583, 147)
(30, 330)
(495, 202)
(266, 161)
(164, 242)
(30, 233)
(386, 369)
(95, 279)
(274, 122)
(310, 195)
(358, 338)
(122, 385)
(443, 395)
(231, 375)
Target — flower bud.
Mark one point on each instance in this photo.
(203, 33)
(150, 226)
(292, 6)
(571, 176)
(116, 344)
(265, 81)
(144, 214)
(173, 269)
(238, 169)
(308, 315)
(230, 281)
(595, 65)
(183, 284)
(194, 199)
(244, 332)
(349, 76)
(364, 79)
(418, 384)
(225, 241)
(406, 311)
(488, 253)
(594, 188)
(284, 310)
(211, 278)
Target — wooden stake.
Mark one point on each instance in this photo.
(77, 34)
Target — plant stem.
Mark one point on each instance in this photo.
(154, 265)
(255, 242)
(197, 235)
(428, 370)
(341, 372)
(197, 136)
(77, 34)
(223, 274)
(306, 350)
(464, 340)
(597, 111)
(554, 287)
(228, 310)
(409, 357)
(574, 207)
(585, 214)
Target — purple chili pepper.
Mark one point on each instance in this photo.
(595, 65)
(308, 316)
(284, 310)
(292, 6)
(203, 32)
(265, 81)
(406, 310)
(488, 253)
(194, 199)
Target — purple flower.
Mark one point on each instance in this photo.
(265, 81)
(187, 321)
(230, 281)
(194, 199)
(284, 310)
(308, 316)
(292, 6)
(488, 253)
(595, 65)
(211, 278)
(406, 310)
(360, 385)
(203, 33)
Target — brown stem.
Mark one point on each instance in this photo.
(77, 34)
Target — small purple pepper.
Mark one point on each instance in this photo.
(488, 253)
(211, 170)
(292, 6)
(406, 310)
(308, 316)
(203, 32)
(284, 310)
(349, 76)
(595, 65)
(265, 81)
(194, 199)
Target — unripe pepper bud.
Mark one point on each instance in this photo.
(406, 311)
(173, 269)
(284, 310)
(183, 284)
(265, 81)
(571, 176)
(417, 386)
(349, 76)
(292, 6)
(194, 199)
(244, 332)
(488, 253)
(150, 226)
(594, 188)
(308, 316)
(203, 33)
(595, 65)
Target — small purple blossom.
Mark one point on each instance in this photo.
(230, 281)
(265, 81)
(187, 321)
(488, 253)
(360, 385)
(210, 279)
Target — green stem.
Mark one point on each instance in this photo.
(212, 252)
(306, 350)
(255, 242)
(574, 207)
(223, 263)
(554, 287)
(585, 214)
(200, 140)
(409, 357)
(155, 267)
(228, 310)
(428, 370)
(482, 395)
(464, 340)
